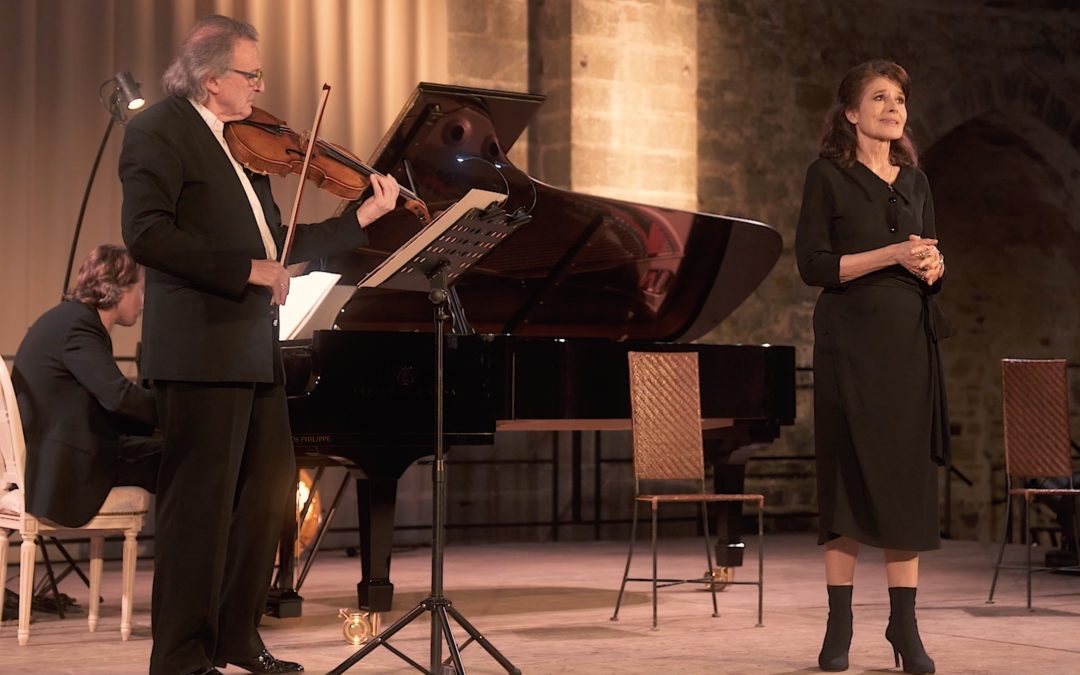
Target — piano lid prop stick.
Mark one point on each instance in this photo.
(303, 175)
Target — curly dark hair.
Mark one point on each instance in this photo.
(103, 277)
(838, 141)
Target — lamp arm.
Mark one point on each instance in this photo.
(85, 199)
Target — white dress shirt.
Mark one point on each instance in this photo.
(218, 127)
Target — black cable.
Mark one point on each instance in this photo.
(116, 114)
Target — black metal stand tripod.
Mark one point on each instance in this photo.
(437, 604)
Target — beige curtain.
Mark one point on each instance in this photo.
(54, 54)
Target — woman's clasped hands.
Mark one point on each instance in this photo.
(921, 257)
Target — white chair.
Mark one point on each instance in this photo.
(123, 511)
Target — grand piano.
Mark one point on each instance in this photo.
(542, 325)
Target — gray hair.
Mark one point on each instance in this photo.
(205, 52)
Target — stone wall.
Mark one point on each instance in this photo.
(621, 79)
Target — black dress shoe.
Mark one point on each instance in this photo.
(264, 662)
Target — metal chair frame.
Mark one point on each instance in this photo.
(1035, 406)
(666, 411)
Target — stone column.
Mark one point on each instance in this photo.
(621, 80)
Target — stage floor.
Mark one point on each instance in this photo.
(547, 607)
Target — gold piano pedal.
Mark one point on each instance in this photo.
(360, 626)
(719, 576)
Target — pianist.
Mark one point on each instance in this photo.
(87, 426)
(209, 234)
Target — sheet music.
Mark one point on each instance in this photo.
(314, 300)
(475, 199)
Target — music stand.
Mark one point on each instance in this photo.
(431, 262)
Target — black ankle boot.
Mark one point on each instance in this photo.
(903, 632)
(834, 650)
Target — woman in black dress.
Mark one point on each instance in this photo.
(866, 235)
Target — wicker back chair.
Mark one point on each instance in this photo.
(666, 418)
(1035, 407)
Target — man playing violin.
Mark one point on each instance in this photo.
(208, 233)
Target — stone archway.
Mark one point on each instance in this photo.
(1006, 196)
(1040, 91)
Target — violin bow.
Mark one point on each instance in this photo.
(303, 176)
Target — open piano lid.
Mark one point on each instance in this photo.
(585, 266)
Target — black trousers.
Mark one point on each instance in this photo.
(226, 478)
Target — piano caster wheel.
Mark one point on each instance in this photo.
(719, 577)
(360, 626)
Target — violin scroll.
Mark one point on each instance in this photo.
(418, 209)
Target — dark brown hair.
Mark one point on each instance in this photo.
(104, 275)
(838, 142)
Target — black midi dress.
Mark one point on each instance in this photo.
(880, 418)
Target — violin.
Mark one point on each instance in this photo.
(265, 144)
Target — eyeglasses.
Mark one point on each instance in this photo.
(254, 78)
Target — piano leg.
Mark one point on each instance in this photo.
(727, 517)
(375, 499)
(283, 601)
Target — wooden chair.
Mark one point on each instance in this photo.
(123, 511)
(666, 418)
(1035, 405)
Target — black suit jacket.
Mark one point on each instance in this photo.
(187, 219)
(75, 404)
